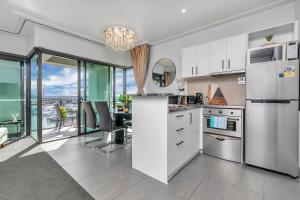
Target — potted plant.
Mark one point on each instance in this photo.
(269, 39)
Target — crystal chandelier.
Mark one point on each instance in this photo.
(119, 38)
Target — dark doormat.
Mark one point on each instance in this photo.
(37, 177)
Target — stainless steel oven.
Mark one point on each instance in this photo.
(223, 133)
(223, 122)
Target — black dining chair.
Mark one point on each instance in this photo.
(107, 124)
(91, 119)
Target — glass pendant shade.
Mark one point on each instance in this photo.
(119, 38)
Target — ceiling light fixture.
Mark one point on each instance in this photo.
(119, 38)
(183, 10)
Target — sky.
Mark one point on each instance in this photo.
(62, 81)
(59, 81)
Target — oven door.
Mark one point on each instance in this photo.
(222, 125)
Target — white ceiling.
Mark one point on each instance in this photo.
(153, 20)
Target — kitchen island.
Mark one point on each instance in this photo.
(163, 142)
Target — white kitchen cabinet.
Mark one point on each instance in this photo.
(177, 140)
(161, 148)
(218, 56)
(188, 62)
(194, 131)
(195, 61)
(228, 55)
(236, 52)
(202, 60)
(183, 138)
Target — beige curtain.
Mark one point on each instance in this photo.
(168, 79)
(140, 60)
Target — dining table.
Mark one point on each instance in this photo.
(120, 117)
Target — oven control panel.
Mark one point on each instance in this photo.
(222, 112)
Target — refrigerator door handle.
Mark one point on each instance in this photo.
(271, 101)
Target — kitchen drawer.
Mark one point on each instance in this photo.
(177, 131)
(227, 148)
(176, 153)
(177, 118)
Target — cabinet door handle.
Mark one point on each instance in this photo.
(192, 70)
(179, 143)
(191, 118)
(222, 64)
(178, 116)
(181, 129)
(196, 69)
(228, 63)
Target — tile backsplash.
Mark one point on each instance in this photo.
(233, 92)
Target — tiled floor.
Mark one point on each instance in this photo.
(110, 176)
(64, 132)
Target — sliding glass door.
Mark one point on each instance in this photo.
(53, 97)
(12, 97)
(33, 79)
(59, 97)
(96, 85)
(57, 86)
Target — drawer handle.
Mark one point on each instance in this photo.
(181, 129)
(232, 119)
(179, 143)
(179, 116)
(220, 139)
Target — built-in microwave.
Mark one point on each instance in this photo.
(274, 52)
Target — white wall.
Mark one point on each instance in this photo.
(30, 37)
(57, 41)
(49, 39)
(14, 44)
(297, 12)
(172, 49)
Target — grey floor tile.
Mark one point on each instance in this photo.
(202, 164)
(148, 190)
(118, 156)
(109, 183)
(89, 166)
(185, 182)
(16, 148)
(277, 187)
(249, 178)
(67, 155)
(214, 188)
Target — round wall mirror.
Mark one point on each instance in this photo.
(164, 72)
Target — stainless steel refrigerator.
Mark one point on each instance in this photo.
(272, 116)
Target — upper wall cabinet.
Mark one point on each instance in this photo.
(195, 61)
(228, 55)
(202, 58)
(188, 62)
(218, 56)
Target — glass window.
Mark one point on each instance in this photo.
(11, 96)
(119, 84)
(97, 85)
(33, 98)
(97, 82)
(131, 87)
